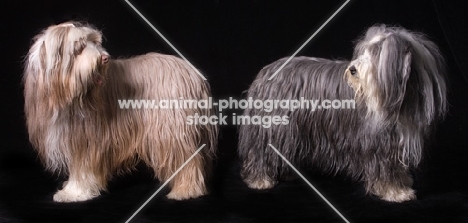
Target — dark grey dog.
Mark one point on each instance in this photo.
(397, 81)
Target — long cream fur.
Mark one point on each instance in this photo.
(72, 88)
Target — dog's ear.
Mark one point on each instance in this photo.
(411, 78)
(394, 70)
(35, 62)
(426, 87)
(50, 61)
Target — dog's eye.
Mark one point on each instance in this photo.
(352, 70)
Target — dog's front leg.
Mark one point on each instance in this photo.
(81, 186)
(397, 188)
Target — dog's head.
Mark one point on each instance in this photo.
(398, 74)
(66, 61)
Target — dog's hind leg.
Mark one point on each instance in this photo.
(257, 172)
(190, 181)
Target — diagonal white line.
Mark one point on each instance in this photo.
(310, 185)
(310, 38)
(165, 183)
(164, 38)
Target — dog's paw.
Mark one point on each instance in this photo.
(398, 195)
(260, 184)
(180, 193)
(177, 195)
(66, 196)
(73, 194)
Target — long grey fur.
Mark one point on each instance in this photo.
(376, 145)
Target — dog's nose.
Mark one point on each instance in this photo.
(104, 59)
(352, 70)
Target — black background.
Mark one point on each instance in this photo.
(230, 41)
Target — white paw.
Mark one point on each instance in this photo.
(186, 193)
(65, 196)
(260, 184)
(398, 194)
(72, 193)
